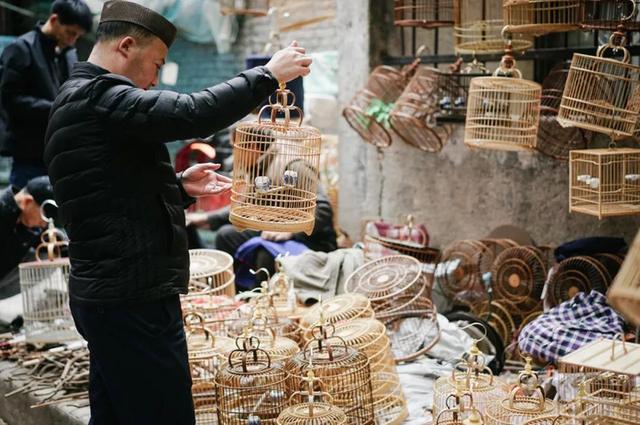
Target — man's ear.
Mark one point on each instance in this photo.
(54, 19)
(125, 45)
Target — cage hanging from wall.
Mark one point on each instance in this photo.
(540, 17)
(423, 13)
(504, 110)
(605, 182)
(624, 294)
(574, 275)
(343, 370)
(210, 273)
(294, 15)
(369, 111)
(607, 15)
(250, 388)
(453, 89)
(244, 7)
(478, 28)
(603, 94)
(275, 171)
(413, 116)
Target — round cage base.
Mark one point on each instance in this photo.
(498, 145)
(262, 218)
(540, 29)
(417, 132)
(602, 211)
(474, 41)
(422, 23)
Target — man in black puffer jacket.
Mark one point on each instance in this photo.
(123, 206)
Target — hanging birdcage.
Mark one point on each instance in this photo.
(343, 370)
(605, 182)
(275, 172)
(423, 13)
(478, 28)
(503, 113)
(413, 116)
(539, 17)
(526, 401)
(603, 94)
(295, 15)
(453, 89)
(244, 7)
(44, 287)
(339, 309)
(471, 376)
(518, 275)
(624, 294)
(210, 274)
(250, 389)
(574, 275)
(369, 336)
(369, 111)
(607, 15)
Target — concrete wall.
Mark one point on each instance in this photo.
(458, 193)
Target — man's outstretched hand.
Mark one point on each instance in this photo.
(290, 63)
(202, 180)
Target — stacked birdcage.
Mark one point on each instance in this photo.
(504, 110)
(526, 401)
(282, 292)
(250, 388)
(607, 15)
(344, 371)
(470, 376)
(210, 274)
(574, 275)
(478, 28)
(275, 171)
(369, 336)
(217, 312)
(423, 13)
(244, 7)
(624, 294)
(540, 17)
(294, 15)
(370, 109)
(342, 308)
(44, 287)
(383, 240)
(453, 88)
(413, 116)
(459, 416)
(605, 182)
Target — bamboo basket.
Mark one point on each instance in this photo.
(210, 273)
(573, 275)
(244, 7)
(624, 294)
(602, 94)
(607, 15)
(478, 28)
(343, 370)
(413, 116)
(503, 113)
(369, 110)
(295, 15)
(605, 182)
(518, 275)
(471, 376)
(250, 388)
(275, 172)
(539, 17)
(423, 13)
(525, 402)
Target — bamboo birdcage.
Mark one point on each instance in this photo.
(605, 182)
(344, 371)
(478, 28)
(500, 315)
(244, 7)
(607, 15)
(275, 171)
(603, 94)
(413, 117)
(453, 88)
(369, 111)
(44, 288)
(503, 113)
(210, 273)
(407, 239)
(283, 296)
(369, 336)
(342, 308)
(624, 294)
(294, 15)
(470, 376)
(217, 312)
(526, 401)
(250, 389)
(459, 416)
(518, 275)
(423, 13)
(539, 17)
(574, 275)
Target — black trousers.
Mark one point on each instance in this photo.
(139, 371)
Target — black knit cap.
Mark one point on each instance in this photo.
(41, 190)
(133, 13)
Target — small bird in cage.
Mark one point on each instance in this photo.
(445, 103)
(460, 102)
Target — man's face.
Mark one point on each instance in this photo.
(66, 35)
(143, 62)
